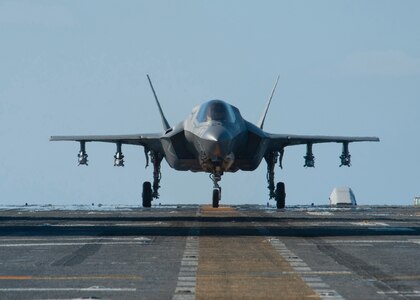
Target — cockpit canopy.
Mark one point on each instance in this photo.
(216, 110)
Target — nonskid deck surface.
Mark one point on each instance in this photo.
(197, 252)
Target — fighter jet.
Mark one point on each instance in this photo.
(215, 139)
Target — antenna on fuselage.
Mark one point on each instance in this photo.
(262, 119)
(164, 121)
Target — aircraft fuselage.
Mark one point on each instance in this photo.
(217, 139)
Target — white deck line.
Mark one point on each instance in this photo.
(71, 244)
(90, 289)
(187, 277)
(299, 266)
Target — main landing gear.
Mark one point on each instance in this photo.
(147, 194)
(277, 191)
(150, 191)
(280, 195)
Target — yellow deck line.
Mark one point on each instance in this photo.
(246, 268)
(220, 209)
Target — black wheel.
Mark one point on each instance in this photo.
(216, 198)
(147, 194)
(280, 195)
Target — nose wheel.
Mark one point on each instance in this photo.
(217, 195)
(217, 190)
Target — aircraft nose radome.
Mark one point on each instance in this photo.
(216, 142)
(217, 134)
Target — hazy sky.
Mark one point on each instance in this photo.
(79, 67)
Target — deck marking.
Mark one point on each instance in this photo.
(187, 277)
(408, 294)
(73, 244)
(368, 223)
(246, 268)
(89, 289)
(304, 271)
(365, 241)
(319, 213)
(93, 277)
(49, 239)
(238, 267)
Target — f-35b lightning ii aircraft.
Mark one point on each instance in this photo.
(214, 139)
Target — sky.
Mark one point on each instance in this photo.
(79, 67)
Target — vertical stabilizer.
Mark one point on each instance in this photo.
(164, 121)
(262, 119)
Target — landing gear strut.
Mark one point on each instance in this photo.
(217, 190)
(345, 156)
(82, 156)
(156, 159)
(277, 192)
(150, 191)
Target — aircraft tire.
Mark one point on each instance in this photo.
(280, 195)
(147, 194)
(216, 198)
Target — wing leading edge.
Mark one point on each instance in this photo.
(150, 141)
(279, 141)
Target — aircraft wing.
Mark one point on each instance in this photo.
(151, 141)
(279, 141)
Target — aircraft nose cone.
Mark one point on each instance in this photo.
(217, 134)
(217, 142)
